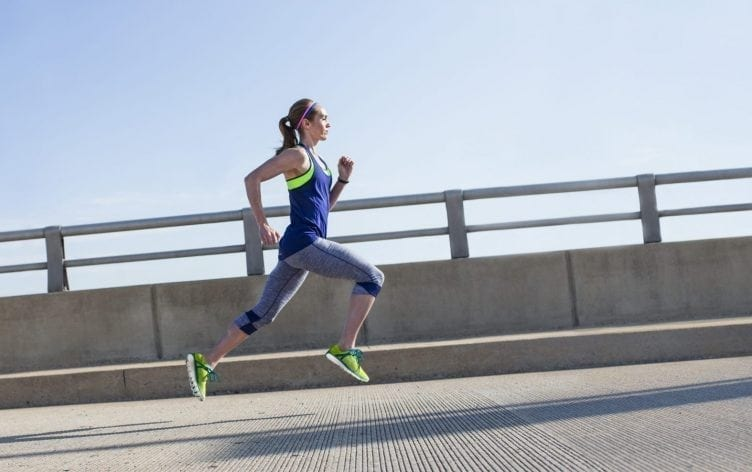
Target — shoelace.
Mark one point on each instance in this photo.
(211, 375)
(357, 353)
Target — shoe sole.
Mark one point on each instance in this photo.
(342, 366)
(190, 365)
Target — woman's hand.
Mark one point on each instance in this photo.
(345, 167)
(269, 235)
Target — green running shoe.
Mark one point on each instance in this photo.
(349, 361)
(198, 374)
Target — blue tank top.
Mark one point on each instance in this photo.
(309, 207)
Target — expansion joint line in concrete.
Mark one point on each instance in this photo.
(572, 289)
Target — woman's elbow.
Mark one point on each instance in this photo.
(250, 179)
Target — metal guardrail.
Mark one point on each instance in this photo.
(456, 228)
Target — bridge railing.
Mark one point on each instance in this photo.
(56, 264)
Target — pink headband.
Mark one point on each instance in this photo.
(304, 114)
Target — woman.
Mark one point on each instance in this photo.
(303, 247)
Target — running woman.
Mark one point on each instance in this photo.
(303, 248)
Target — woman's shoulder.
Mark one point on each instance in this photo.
(293, 161)
(295, 155)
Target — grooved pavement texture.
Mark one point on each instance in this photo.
(693, 415)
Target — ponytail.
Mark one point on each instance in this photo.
(305, 108)
(289, 139)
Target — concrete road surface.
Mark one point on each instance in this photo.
(694, 415)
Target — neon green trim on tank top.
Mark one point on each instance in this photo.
(299, 181)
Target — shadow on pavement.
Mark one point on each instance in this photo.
(69, 434)
(438, 421)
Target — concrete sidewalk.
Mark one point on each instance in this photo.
(388, 363)
(693, 415)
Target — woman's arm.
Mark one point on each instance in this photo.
(345, 168)
(288, 161)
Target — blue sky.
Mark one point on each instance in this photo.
(136, 109)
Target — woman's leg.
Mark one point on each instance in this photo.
(232, 338)
(334, 260)
(360, 305)
(284, 281)
(282, 284)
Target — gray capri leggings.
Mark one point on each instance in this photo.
(322, 257)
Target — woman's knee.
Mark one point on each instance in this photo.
(379, 276)
(373, 285)
(249, 322)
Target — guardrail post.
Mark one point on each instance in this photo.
(57, 278)
(254, 250)
(651, 225)
(455, 209)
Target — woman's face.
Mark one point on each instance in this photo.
(318, 125)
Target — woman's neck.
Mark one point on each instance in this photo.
(309, 142)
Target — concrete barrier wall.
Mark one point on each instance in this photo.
(472, 297)
(420, 301)
(663, 282)
(76, 329)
